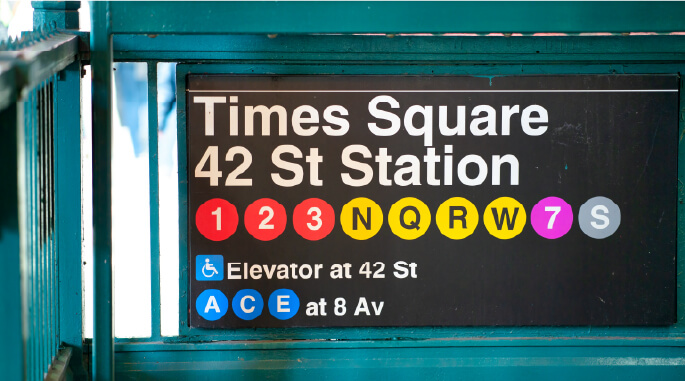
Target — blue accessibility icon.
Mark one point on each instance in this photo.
(211, 304)
(209, 267)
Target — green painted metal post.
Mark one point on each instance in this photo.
(29, 267)
(154, 200)
(68, 211)
(101, 65)
(12, 352)
(56, 14)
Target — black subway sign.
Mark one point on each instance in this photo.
(332, 201)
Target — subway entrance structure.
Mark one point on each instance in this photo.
(365, 190)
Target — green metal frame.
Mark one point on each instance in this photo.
(424, 351)
(232, 38)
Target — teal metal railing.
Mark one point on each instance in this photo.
(41, 298)
(40, 217)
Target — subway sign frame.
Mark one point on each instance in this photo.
(250, 263)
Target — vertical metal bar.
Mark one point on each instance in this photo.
(680, 245)
(51, 224)
(28, 128)
(68, 229)
(35, 353)
(182, 161)
(51, 246)
(101, 65)
(36, 179)
(30, 273)
(50, 217)
(35, 223)
(44, 255)
(37, 228)
(153, 158)
(42, 243)
(35, 244)
(24, 200)
(30, 223)
(35, 215)
(39, 225)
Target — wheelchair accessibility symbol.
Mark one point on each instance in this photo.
(209, 267)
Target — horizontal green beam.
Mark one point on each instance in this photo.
(500, 342)
(395, 17)
(519, 363)
(608, 49)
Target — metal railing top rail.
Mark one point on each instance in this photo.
(26, 63)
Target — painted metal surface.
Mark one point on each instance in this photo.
(618, 353)
(101, 66)
(153, 155)
(39, 255)
(56, 14)
(12, 353)
(68, 211)
(441, 50)
(30, 281)
(42, 106)
(397, 362)
(395, 17)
